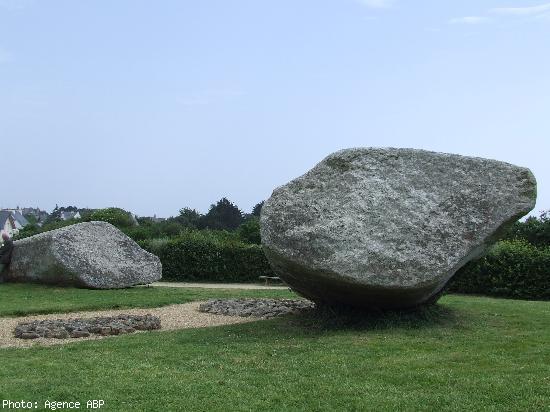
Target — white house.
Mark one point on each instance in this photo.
(8, 223)
(12, 221)
(69, 215)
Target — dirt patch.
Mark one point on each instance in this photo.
(172, 317)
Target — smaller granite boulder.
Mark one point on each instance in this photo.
(93, 255)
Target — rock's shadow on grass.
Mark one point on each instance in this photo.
(340, 318)
(306, 315)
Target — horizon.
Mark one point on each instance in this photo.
(156, 107)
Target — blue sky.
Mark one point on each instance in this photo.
(157, 105)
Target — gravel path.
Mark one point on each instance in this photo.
(181, 316)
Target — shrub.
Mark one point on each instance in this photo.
(249, 231)
(30, 230)
(209, 256)
(188, 218)
(138, 233)
(257, 209)
(113, 215)
(223, 215)
(512, 268)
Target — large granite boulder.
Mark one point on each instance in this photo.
(92, 255)
(388, 228)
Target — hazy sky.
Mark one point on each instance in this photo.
(156, 105)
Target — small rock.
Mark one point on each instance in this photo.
(57, 333)
(29, 335)
(77, 333)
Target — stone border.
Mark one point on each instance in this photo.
(84, 327)
(261, 308)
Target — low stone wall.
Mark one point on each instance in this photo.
(83, 328)
(260, 308)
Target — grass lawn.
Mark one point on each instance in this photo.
(466, 353)
(18, 299)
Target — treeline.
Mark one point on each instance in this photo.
(222, 216)
(220, 245)
(223, 219)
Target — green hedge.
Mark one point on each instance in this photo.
(195, 257)
(512, 268)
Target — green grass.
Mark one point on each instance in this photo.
(17, 299)
(466, 353)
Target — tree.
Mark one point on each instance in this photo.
(29, 230)
(31, 219)
(85, 212)
(256, 210)
(188, 218)
(222, 215)
(534, 230)
(68, 209)
(55, 215)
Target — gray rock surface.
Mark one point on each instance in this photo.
(260, 308)
(92, 255)
(388, 228)
(84, 327)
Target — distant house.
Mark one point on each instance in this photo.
(39, 215)
(8, 223)
(20, 220)
(14, 223)
(69, 215)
